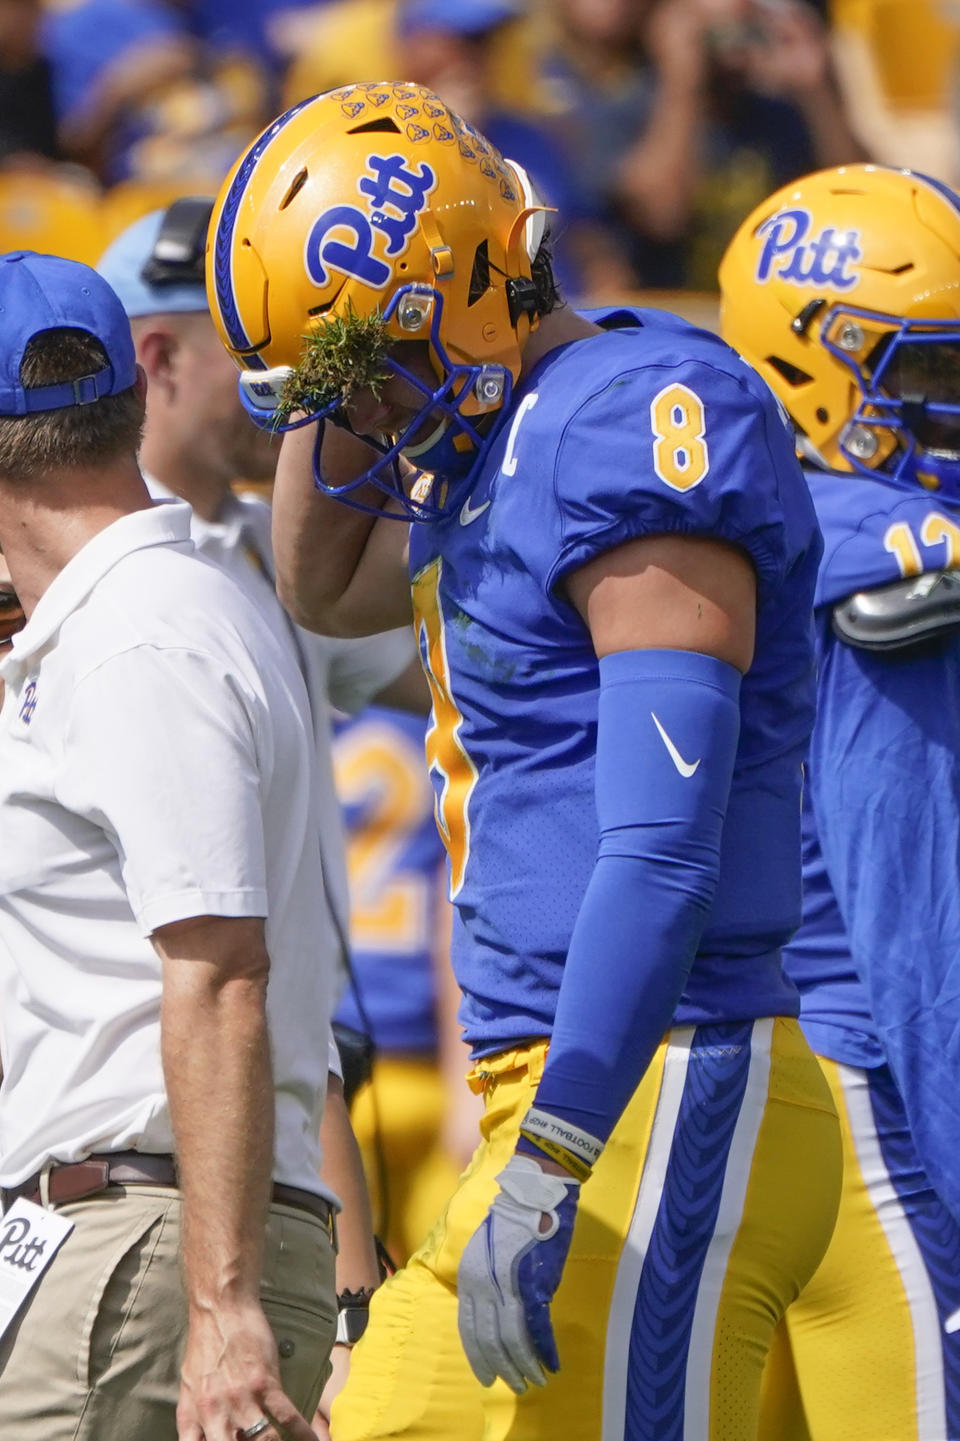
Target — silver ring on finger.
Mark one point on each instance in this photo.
(257, 1429)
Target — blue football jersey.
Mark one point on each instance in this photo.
(650, 427)
(395, 859)
(875, 958)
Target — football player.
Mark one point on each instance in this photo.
(611, 557)
(843, 289)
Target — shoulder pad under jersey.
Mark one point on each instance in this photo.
(910, 611)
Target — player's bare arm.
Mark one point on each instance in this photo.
(340, 571)
(670, 593)
(214, 1042)
(342, 1170)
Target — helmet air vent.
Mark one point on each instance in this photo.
(480, 277)
(383, 125)
(792, 374)
(297, 184)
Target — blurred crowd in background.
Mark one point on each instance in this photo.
(653, 126)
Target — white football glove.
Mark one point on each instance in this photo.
(509, 1272)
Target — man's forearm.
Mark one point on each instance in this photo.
(658, 176)
(216, 1061)
(834, 143)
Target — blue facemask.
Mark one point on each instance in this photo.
(454, 448)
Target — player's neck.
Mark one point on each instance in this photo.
(183, 474)
(43, 524)
(560, 327)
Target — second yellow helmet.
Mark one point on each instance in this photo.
(843, 290)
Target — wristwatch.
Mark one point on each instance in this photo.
(353, 1313)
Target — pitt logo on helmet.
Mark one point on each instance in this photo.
(787, 254)
(397, 194)
(369, 228)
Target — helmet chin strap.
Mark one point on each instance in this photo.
(417, 452)
(439, 456)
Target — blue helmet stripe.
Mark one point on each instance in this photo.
(948, 194)
(223, 240)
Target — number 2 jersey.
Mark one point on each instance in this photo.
(650, 427)
(876, 958)
(394, 858)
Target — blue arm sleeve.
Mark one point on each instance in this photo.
(885, 785)
(668, 727)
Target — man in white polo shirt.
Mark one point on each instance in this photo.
(197, 441)
(158, 868)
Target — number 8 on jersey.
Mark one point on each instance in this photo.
(680, 455)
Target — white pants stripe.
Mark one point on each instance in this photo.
(630, 1266)
(928, 1343)
(627, 1283)
(732, 1198)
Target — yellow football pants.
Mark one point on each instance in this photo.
(708, 1211)
(398, 1120)
(862, 1355)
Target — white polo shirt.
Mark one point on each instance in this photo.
(340, 674)
(155, 764)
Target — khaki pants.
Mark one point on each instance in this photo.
(94, 1355)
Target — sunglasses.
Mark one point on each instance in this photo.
(12, 617)
(177, 257)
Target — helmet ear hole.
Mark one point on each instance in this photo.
(823, 415)
(480, 276)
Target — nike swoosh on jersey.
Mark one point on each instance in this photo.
(468, 515)
(686, 768)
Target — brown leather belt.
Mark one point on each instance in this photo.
(78, 1180)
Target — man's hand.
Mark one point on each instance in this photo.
(509, 1272)
(792, 56)
(216, 1064)
(231, 1380)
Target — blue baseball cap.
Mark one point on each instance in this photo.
(156, 264)
(47, 292)
(456, 17)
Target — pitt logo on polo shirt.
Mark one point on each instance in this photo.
(29, 703)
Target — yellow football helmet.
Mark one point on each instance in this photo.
(377, 203)
(843, 291)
